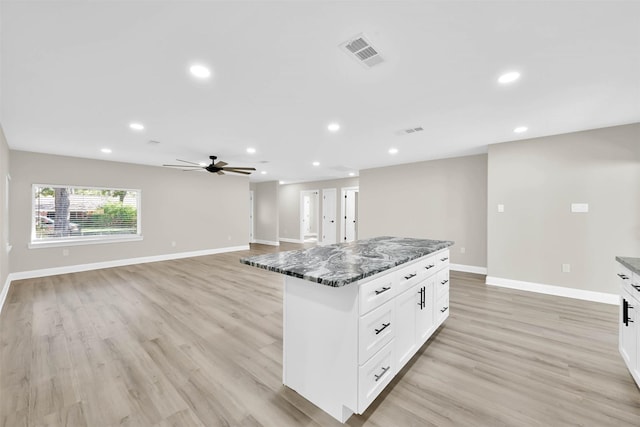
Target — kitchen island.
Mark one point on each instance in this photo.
(355, 313)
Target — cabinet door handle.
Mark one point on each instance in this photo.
(384, 326)
(623, 277)
(429, 266)
(444, 282)
(410, 276)
(384, 289)
(444, 259)
(421, 296)
(444, 309)
(381, 374)
(625, 312)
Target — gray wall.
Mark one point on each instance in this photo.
(4, 214)
(537, 180)
(196, 210)
(290, 204)
(265, 207)
(440, 199)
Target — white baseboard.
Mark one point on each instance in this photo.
(284, 239)
(468, 268)
(561, 291)
(5, 291)
(266, 242)
(121, 262)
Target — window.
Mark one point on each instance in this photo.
(64, 215)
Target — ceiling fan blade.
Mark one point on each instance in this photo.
(182, 166)
(241, 169)
(186, 161)
(236, 171)
(220, 164)
(220, 173)
(192, 170)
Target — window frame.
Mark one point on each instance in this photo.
(83, 240)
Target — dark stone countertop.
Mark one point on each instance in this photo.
(632, 264)
(340, 264)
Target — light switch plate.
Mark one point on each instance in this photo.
(580, 207)
(566, 268)
(500, 208)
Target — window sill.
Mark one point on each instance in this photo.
(80, 242)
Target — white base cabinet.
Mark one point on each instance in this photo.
(342, 346)
(629, 338)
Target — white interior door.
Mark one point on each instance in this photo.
(329, 216)
(349, 210)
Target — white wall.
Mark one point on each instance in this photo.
(265, 207)
(537, 180)
(290, 204)
(440, 199)
(196, 210)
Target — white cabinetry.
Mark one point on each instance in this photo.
(343, 345)
(629, 343)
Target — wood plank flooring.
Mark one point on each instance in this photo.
(198, 342)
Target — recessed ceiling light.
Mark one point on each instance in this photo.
(106, 150)
(521, 129)
(200, 71)
(393, 151)
(251, 150)
(316, 163)
(136, 126)
(281, 182)
(352, 174)
(263, 172)
(509, 77)
(333, 127)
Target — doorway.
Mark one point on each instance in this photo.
(349, 214)
(251, 224)
(329, 216)
(309, 215)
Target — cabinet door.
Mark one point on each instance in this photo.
(406, 309)
(628, 334)
(424, 312)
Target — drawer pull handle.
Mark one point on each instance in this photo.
(444, 282)
(410, 276)
(384, 289)
(444, 259)
(444, 309)
(384, 326)
(623, 277)
(429, 266)
(384, 371)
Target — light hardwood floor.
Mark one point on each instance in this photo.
(198, 342)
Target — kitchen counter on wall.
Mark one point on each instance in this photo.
(632, 264)
(343, 263)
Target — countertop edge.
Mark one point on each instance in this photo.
(631, 263)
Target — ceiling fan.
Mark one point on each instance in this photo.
(214, 167)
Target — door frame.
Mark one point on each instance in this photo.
(343, 224)
(252, 220)
(335, 206)
(317, 213)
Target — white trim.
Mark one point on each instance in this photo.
(468, 268)
(343, 192)
(284, 239)
(5, 291)
(561, 291)
(266, 242)
(86, 241)
(121, 262)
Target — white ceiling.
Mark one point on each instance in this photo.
(75, 74)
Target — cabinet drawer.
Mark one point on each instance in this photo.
(375, 330)
(442, 309)
(376, 292)
(408, 276)
(442, 259)
(428, 266)
(442, 283)
(374, 376)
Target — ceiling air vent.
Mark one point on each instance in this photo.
(413, 130)
(360, 49)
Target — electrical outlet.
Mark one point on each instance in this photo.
(566, 268)
(65, 252)
(228, 237)
(173, 244)
(462, 250)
